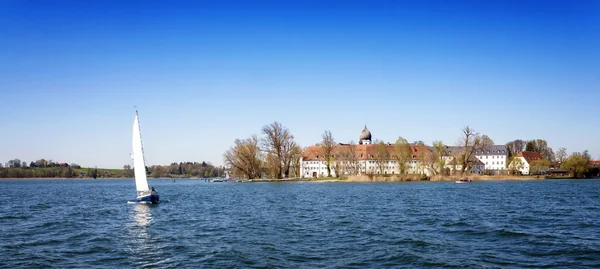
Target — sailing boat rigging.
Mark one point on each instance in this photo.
(144, 193)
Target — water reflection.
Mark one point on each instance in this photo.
(142, 241)
(141, 214)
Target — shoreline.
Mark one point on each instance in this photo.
(353, 179)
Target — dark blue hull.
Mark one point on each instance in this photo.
(150, 198)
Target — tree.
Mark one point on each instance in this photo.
(16, 163)
(279, 141)
(515, 146)
(381, 156)
(540, 146)
(327, 146)
(470, 142)
(296, 159)
(348, 160)
(539, 166)
(23, 164)
(433, 160)
(561, 155)
(515, 165)
(271, 165)
(577, 164)
(487, 140)
(402, 154)
(245, 158)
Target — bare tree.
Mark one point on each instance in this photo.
(402, 154)
(296, 156)
(515, 146)
(245, 158)
(540, 146)
(348, 160)
(470, 142)
(561, 155)
(271, 165)
(280, 142)
(487, 140)
(327, 146)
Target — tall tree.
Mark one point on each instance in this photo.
(348, 159)
(561, 155)
(327, 146)
(515, 146)
(438, 156)
(540, 146)
(470, 142)
(271, 165)
(381, 156)
(245, 157)
(402, 154)
(296, 159)
(279, 141)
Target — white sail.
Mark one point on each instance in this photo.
(227, 175)
(139, 164)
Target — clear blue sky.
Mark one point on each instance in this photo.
(203, 73)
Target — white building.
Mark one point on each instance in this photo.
(492, 158)
(523, 162)
(365, 159)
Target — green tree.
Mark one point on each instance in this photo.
(539, 166)
(577, 164)
(516, 165)
(381, 156)
(402, 154)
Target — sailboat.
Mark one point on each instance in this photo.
(144, 193)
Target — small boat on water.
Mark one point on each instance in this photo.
(144, 193)
(463, 180)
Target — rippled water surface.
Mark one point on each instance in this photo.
(495, 224)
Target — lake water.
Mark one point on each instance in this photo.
(493, 224)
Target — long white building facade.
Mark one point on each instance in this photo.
(365, 159)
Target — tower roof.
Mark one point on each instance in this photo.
(365, 134)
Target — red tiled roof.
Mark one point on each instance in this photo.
(530, 156)
(362, 152)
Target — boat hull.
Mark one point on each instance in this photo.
(148, 198)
